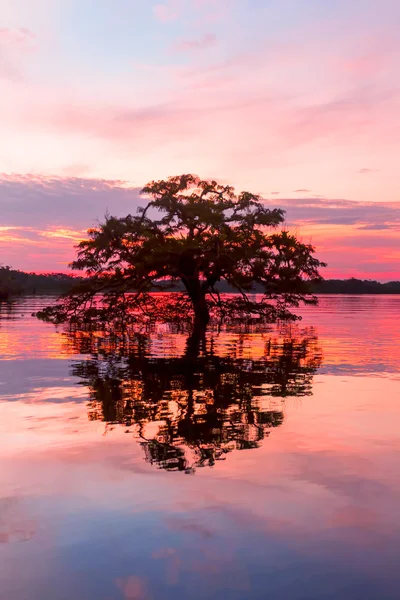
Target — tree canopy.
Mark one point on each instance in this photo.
(198, 233)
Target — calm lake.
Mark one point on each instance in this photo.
(266, 467)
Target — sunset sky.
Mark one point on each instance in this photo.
(297, 100)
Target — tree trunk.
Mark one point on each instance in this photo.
(201, 313)
(199, 302)
(196, 293)
(197, 337)
(201, 317)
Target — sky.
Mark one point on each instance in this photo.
(295, 100)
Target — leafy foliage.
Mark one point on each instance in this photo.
(199, 233)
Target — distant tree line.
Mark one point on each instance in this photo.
(356, 286)
(330, 286)
(14, 282)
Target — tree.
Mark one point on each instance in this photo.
(198, 233)
(9, 285)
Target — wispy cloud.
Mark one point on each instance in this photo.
(133, 588)
(64, 234)
(168, 11)
(366, 171)
(191, 45)
(20, 37)
(14, 44)
(198, 12)
(69, 203)
(377, 226)
(363, 215)
(349, 114)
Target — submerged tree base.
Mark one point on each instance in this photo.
(173, 308)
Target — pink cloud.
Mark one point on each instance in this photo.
(198, 11)
(369, 57)
(167, 12)
(133, 588)
(327, 119)
(21, 36)
(367, 65)
(187, 45)
(213, 11)
(366, 171)
(14, 43)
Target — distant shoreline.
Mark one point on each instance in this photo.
(13, 283)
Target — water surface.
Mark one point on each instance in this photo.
(265, 467)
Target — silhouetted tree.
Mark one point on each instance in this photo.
(198, 233)
(9, 285)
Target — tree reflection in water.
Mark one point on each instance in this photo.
(191, 408)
